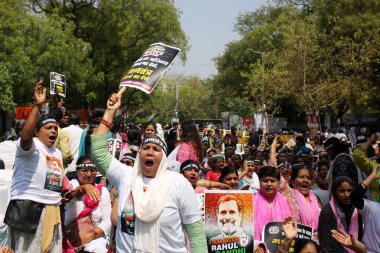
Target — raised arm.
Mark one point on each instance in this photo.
(27, 132)
(290, 229)
(360, 156)
(358, 193)
(366, 165)
(99, 148)
(272, 155)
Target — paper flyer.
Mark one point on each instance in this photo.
(57, 84)
(147, 71)
(229, 221)
(114, 146)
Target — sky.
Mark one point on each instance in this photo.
(209, 26)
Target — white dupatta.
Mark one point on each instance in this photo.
(149, 205)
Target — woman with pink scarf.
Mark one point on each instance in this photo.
(339, 214)
(269, 204)
(303, 204)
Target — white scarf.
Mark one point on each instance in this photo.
(149, 205)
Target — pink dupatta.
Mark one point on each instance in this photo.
(89, 204)
(264, 213)
(309, 212)
(354, 224)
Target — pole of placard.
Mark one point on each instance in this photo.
(121, 91)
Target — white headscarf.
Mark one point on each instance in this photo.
(149, 205)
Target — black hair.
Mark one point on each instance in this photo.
(83, 158)
(188, 162)
(225, 171)
(190, 133)
(149, 123)
(269, 171)
(338, 181)
(96, 117)
(134, 135)
(301, 139)
(301, 243)
(74, 119)
(55, 113)
(295, 171)
(336, 146)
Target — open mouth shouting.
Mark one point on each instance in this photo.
(52, 139)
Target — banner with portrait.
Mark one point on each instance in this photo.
(229, 221)
(274, 235)
(147, 71)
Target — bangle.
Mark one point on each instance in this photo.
(365, 186)
(106, 123)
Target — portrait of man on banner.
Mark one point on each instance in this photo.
(226, 230)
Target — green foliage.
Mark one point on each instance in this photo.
(315, 54)
(33, 46)
(195, 99)
(6, 84)
(91, 42)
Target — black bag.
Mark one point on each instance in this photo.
(24, 215)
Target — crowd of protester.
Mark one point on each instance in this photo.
(70, 194)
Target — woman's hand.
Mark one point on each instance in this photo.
(91, 191)
(343, 238)
(223, 186)
(6, 249)
(375, 173)
(348, 241)
(39, 93)
(69, 195)
(114, 102)
(290, 228)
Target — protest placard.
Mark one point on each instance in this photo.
(229, 221)
(147, 71)
(114, 146)
(274, 235)
(57, 84)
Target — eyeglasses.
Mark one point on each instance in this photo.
(85, 171)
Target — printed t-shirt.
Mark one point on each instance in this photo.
(38, 174)
(181, 200)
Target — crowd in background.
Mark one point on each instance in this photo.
(70, 194)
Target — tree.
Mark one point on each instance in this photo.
(117, 32)
(316, 55)
(6, 84)
(32, 46)
(195, 98)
